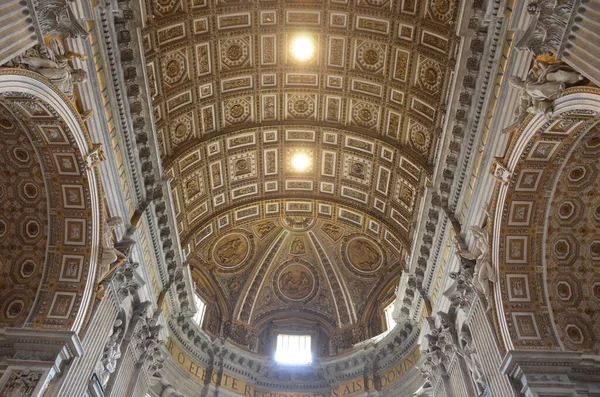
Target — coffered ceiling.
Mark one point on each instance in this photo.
(234, 105)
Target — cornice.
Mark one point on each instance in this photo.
(368, 358)
(135, 122)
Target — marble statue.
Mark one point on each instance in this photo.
(55, 67)
(543, 81)
(112, 352)
(468, 353)
(484, 271)
(57, 18)
(548, 22)
(109, 253)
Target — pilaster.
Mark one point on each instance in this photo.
(35, 358)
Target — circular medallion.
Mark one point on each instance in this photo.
(365, 115)
(231, 250)
(420, 138)
(234, 52)
(181, 131)
(430, 75)
(241, 165)
(295, 280)
(371, 56)
(300, 106)
(173, 68)
(237, 110)
(362, 255)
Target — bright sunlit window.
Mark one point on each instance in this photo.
(389, 320)
(293, 349)
(201, 306)
(300, 162)
(303, 47)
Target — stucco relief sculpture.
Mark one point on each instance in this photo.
(543, 81)
(54, 66)
(467, 351)
(231, 250)
(297, 246)
(112, 352)
(57, 18)
(21, 384)
(363, 255)
(296, 282)
(484, 271)
(548, 22)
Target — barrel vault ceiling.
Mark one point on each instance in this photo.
(232, 107)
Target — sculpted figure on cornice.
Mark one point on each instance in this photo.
(109, 253)
(549, 20)
(462, 292)
(467, 351)
(57, 18)
(544, 80)
(112, 353)
(483, 272)
(52, 65)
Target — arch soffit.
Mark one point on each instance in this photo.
(60, 136)
(536, 157)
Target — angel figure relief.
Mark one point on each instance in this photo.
(480, 253)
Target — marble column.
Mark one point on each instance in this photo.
(580, 46)
(17, 28)
(81, 369)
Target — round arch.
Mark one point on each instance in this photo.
(534, 295)
(60, 147)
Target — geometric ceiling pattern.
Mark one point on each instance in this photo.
(233, 106)
(46, 224)
(549, 244)
(23, 221)
(573, 247)
(334, 276)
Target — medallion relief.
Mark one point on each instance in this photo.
(295, 280)
(361, 255)
(231, 251)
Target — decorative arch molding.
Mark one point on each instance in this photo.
(59, 136)
(537, 157)
(323, 208)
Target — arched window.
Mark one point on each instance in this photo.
(389, 319)
(201, 306)
(293, 349)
